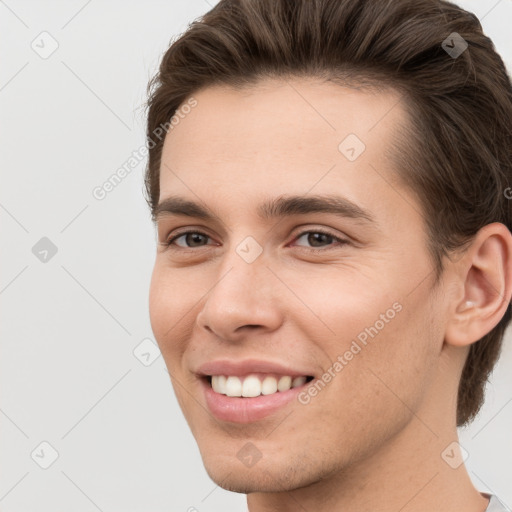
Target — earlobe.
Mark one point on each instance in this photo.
(486, 272)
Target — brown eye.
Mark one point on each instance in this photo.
(318, 239)
(191, 239)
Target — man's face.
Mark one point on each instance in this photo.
(302, 291)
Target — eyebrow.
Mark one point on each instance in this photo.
(278, 207)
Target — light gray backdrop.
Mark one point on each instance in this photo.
(84, 391)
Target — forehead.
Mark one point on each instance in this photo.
(283, 115)
(282, 137)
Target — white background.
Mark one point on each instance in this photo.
(69, 326)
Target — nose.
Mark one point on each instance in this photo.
(242, 299)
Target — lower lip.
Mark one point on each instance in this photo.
(247, 410)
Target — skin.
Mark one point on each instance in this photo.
(372, 439)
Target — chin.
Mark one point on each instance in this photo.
(268, 475)
(247, 480)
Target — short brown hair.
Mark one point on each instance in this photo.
(456, 156)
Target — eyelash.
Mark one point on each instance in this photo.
(169, 242)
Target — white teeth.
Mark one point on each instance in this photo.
(252, 385)
(269, 385)
(285, 383)
(215, 383)
(219, 383)
(233, 386)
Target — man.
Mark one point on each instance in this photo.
(333, 273)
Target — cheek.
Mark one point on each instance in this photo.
(168, 308)
(376, 392)
(382, 341)
(346, 305)
(159, 303)
(397, 362)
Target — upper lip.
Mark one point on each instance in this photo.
(246, 366)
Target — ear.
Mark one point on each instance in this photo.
(485, 286)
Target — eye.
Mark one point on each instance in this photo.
(192, 238)
(319, 238)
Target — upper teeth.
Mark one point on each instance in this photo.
(251, 385)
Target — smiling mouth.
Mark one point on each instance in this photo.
(254, 384)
